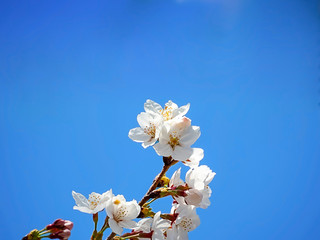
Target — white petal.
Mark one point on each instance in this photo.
(181, 111)
(175, 180)
(181, 153)
(182, 235)
(164, 133)
(190, 135)
(210, 177)
(106, 196)
(171, 105)
(99, 207)
(196, 156)
(156, 217)
(188, 213)
(199, 177)
(205, 201)
(149, 143)
(180, 200)
(172, 233)
(189, 178)
(152, 107)
(163, 149)
(194, 197)
(115, 226)
(128, 224)
(138, 135)
(158, 235)
(83, 209)
(182, 125)
(163, 224)
(184, 211)
(144, 119)
(110, 208)
(196, 221)
(133, 210)
(81, 200)
(144, 225)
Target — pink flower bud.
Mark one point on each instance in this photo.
(62, 234)
(60, 224)
(68, 224)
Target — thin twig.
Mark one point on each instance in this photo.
(168, 162)
(111, 236)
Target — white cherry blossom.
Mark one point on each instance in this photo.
(149, 130)
(121, 213)
(187, 221)
(175, 139)
(155, 225)
(170, 111)
(198, 179)
(95, 203)
(193, 196)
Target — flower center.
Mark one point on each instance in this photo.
(166, 113)
(186, 224)
(94, 199)
(151, 130)
(174, 139)
(120, 213)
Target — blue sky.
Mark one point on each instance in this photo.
(74, 75)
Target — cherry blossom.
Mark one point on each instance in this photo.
(197, 180)
(187, 221)
(95, 203)
(156, 226)
(169, 112)
(149, 130)
(175, 139)
(121, 213)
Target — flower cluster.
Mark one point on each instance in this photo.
(171, 135)
(168, 131)
(59, 229)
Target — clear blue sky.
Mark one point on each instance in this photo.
(74, 75)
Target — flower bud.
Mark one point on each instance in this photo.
(62, 234)
(164, 181)
(194, 197)
(60, 224)
(146, 211)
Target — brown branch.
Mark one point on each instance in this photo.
(168, 162)
(111, 236)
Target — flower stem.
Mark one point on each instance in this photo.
(129, 237)
(151, 201)
(168, 162)
(105, 225)
(95, 220)
(111, 236)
